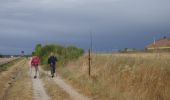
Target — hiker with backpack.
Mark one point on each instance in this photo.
(52, 64)
(35, 63)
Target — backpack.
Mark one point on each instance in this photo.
(35, 61)
(52, 60)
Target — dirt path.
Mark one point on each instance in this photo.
(38, 89)
(33, 88)
(71, 91)
(74, 95)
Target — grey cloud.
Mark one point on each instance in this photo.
(70, 22)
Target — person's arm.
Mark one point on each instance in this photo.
(49, 61)
(32, 61)
(56, 59)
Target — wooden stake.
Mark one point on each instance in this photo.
(89, 63)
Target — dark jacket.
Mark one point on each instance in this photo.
(52, 60)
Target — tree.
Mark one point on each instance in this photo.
(1, 56)
(63, 53)
(38, 49)
(73, 52)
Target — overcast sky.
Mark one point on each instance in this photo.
(114, 24)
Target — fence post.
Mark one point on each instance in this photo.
(89, 63)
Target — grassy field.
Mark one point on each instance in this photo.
(15, 83)
(3, 60)
(142, 76)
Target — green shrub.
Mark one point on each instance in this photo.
(73, 52)
(63, 54)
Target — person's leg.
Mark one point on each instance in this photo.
(36, 69)
(51, 68)
(54, 70)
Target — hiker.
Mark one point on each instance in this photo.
(35, 63)
(52, 64)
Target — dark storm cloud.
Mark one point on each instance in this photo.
(114, 23)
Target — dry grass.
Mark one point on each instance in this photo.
(4, 60)
(6, 77)
(16, 84)
(122, 76)
(8, 63)
(54, 92)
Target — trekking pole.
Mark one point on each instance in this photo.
(39, 71)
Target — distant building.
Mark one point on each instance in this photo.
(162, 44)
(128, 50)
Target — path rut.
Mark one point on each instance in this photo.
(71, 91)
(38, 89)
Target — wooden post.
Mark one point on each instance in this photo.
(89, 63)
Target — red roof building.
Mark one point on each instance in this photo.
(161, 44)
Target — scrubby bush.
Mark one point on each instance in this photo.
(73, 52)
(63, 53)
(38, 49)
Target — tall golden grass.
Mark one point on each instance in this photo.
(142, 76)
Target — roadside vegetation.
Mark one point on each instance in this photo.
(20, 87)
(4, 67)
(1, 56)
(141, 76)
(15, 83)
(64, 54)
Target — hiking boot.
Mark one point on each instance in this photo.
(35, 77)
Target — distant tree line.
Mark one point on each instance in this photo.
(1, 56)
(127, 50)
(64, 54)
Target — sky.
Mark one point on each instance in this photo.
(114, 24)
